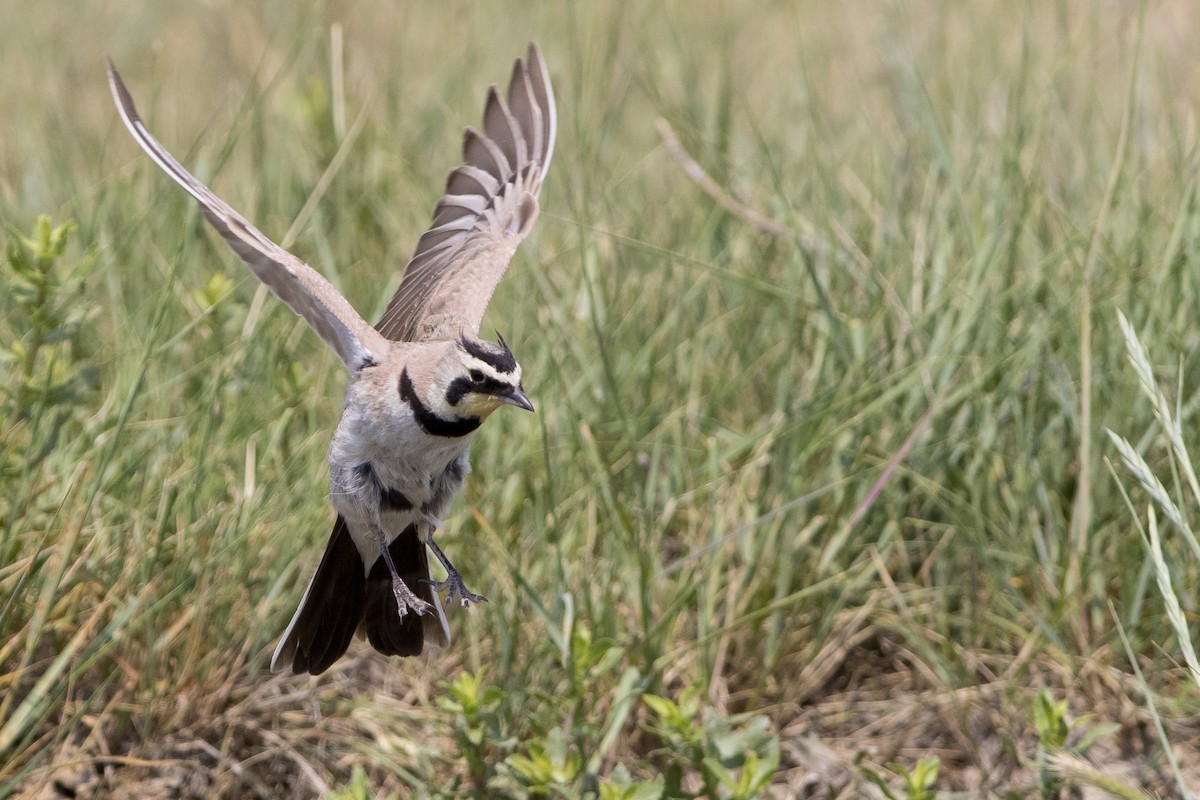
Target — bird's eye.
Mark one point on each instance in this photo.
(476, 376)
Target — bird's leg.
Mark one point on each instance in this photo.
(453, 580)
(405, 599)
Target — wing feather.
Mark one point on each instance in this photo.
(297, 284)
(524, 106)
(490, 205)
(468, 180)
(502, 128)
(480, 151)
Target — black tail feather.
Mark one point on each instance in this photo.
(331, 609)
(341, 600)
(386, 630)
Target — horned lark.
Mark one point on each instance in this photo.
(421, 381)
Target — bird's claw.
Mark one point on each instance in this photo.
(406, 601)
(456, 588)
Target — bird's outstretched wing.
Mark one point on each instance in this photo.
(304, 289)
(489, 206)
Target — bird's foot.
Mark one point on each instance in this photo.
(456, 588)
(406, 601)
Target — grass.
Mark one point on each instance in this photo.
(801, 501)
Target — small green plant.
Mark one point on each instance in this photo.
(42, 320)
(43, 368)
(359, 788)
(549, 767)
(622, 786)
(1050, 720)
(702, 753)
(918, 784)
(1054, 734)
(476, 724)
(733, 756)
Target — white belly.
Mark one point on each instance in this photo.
(367, 460)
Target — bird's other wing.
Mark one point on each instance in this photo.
(304, 289)
(489, 206)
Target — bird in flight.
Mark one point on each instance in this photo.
(421, 380)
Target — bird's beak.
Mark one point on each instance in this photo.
(517, 398)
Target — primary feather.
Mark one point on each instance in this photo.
(489, 206)
(301, 287)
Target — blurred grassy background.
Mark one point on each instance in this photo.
(837, 492)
